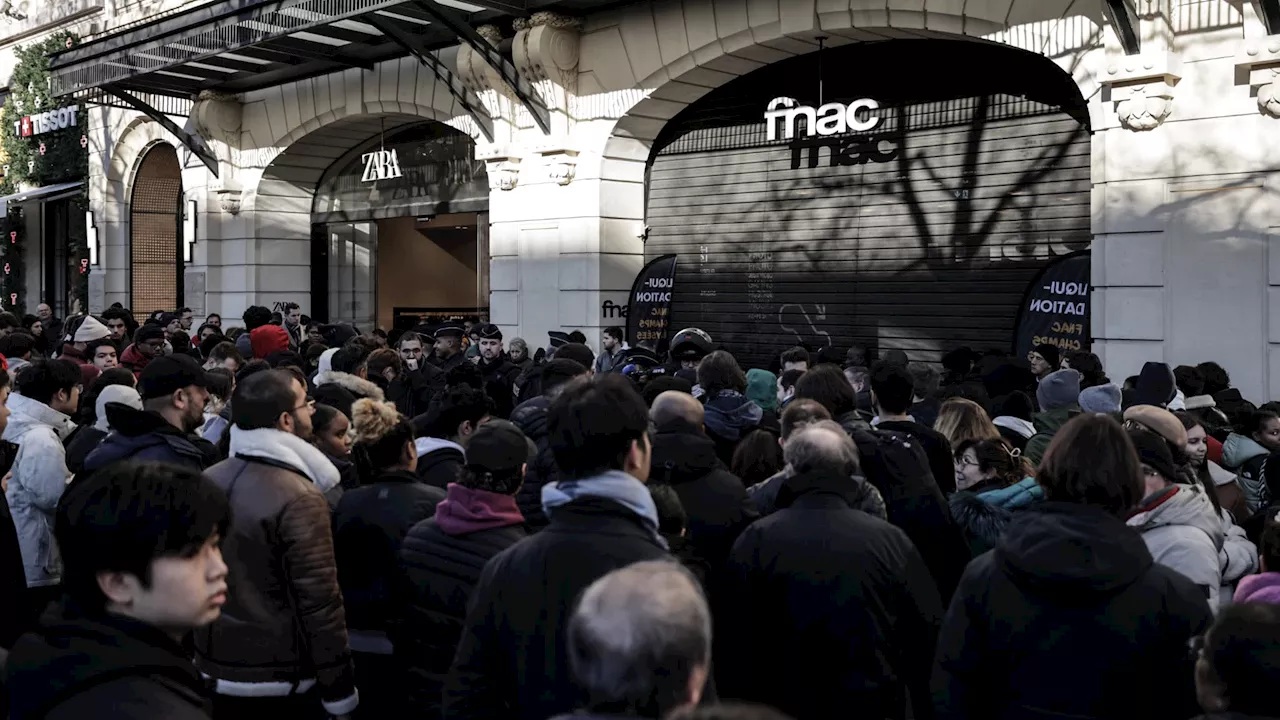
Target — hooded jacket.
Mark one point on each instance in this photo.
(1237, 558)
(439, 461)
(1047, 425)
(1068, 586)
(440, 562)
(368, 527)
(284, 624)
(142, 435)
(714, 499)
(1249, 459)
(984, 515)
(531, 418)
(353, 384)
(111, 667)
(134, 360)
(39, 477)
(729, 416)
(824, 606)
(1182, 531)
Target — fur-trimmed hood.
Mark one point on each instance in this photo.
(353, 384)
(983, 516)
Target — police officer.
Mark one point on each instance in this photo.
(499, 372)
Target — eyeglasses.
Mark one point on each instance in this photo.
(308, 403)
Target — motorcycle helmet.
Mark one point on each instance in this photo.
(691, 344)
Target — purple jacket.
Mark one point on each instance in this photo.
(1263, 588)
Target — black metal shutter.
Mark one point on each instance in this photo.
(924, 249)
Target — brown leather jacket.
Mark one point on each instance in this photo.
(283, 621)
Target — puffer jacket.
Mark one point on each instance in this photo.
(1248, 459)
(438, 461)
(284, 622)
(1182, 531)
(141, 435)
(39, 477)
(1047, 425)
(440, 563)
(983, 515)
(1230, 495)
(531, 418)
(1237, 558)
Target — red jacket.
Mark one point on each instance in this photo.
(268, 339)
(134, 360)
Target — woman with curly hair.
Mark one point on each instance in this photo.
(368, 527)
(993, 481)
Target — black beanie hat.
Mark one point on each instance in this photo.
(1050, 354)
(1153, 451)
(1015, 404)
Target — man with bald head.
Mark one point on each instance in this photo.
(824, 605)
(714, 499)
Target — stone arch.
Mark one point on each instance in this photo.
(679, 51)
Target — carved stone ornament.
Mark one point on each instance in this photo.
(229, 198)
(217, 119)
(545, 52)
(562, 164)
(1142, 88)
(1260, 59)
(503, 175)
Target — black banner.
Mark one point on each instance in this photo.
(649, 304)
(1055, 307)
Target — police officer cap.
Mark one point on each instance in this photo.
(449, 329)
(558, 338)
(488, 331)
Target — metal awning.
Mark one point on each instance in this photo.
(48, 192)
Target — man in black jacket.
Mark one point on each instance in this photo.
(512, 661)
(714, 499)
(499, 372)
(441, 451)
(531, 418)
(442, 557)
(173, 399)
(825, 606)
(892, 392)
(448, 347)
(142, 568)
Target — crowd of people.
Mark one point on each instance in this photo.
(295, 519)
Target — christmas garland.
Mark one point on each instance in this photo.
(41, 159)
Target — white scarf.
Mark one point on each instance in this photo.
(289, 449)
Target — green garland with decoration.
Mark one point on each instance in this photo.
(59, 156)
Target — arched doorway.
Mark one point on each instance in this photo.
(914, 220)
(155, 273)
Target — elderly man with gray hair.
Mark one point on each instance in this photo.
(825, 606)
(639, 642)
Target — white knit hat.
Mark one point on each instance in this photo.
(91, 329)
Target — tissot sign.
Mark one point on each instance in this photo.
(41, 123)
(829, 119)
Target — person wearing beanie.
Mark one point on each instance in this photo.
(442, 557)
(173, 392)
(1044, 360)
(148, 344)
(1156, 385)
(268, 339)
(1059, 397)
(75, 348)
(1101, 399)
(1178, 522)
(1011, 414)
(368, 526)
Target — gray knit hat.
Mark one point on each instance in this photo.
(1101, 399)
(1058, 390)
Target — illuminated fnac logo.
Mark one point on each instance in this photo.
(830, 119)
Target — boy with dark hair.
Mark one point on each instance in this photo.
(140, 547)
(893, 393)
(797, 358)
(449, 429)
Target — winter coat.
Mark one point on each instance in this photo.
(354, 384)
(142, 436)
(1230, 495)
(983, 515)
(1239, 451)
(611, 362)
(284, 621)
(39, 477)
(714, 499)
(113, 667)
(88, 371)
(440, 562)
(936, 447)
(499, 381)
(1183, 533)
(136, 361)
(1263, 588)
(861, 495)
(82, 441)
(1068, 587)
(531, 418)
(1047, 425)
(368, 527)
(824, 606)
(413, 390)
(511, 662)
(730, 416)
(1237, 558)
(439, 461)
(243, 344)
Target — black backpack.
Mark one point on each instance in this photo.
(895, 462)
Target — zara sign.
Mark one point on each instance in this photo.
(830, 119)
(381, 165)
